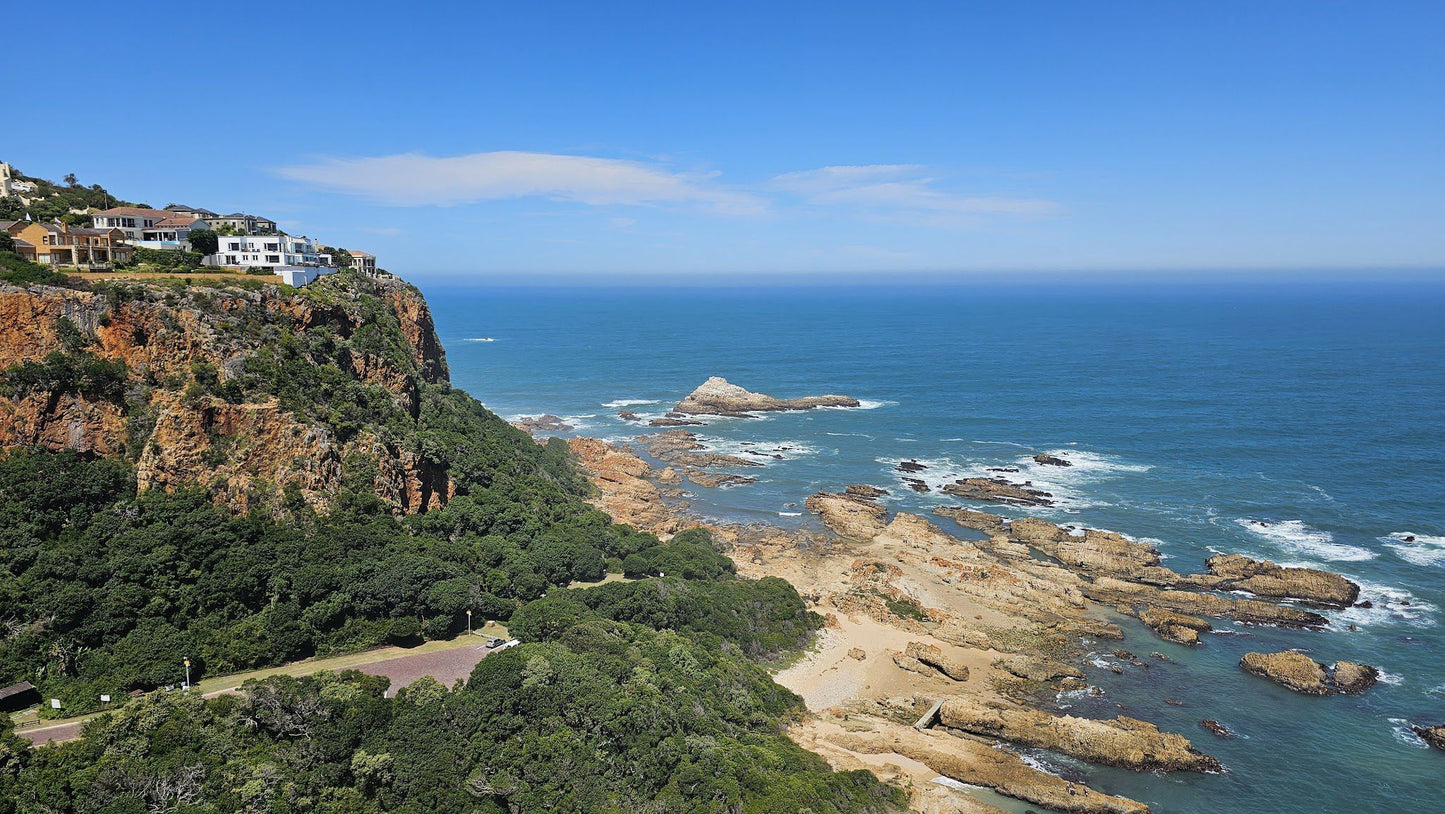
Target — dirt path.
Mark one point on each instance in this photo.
(447, 662)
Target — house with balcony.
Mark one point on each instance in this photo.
(242, 223)
(56, 244)
(171, 234)
(363, 262)
(132, 220)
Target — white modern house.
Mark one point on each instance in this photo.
(293, 258)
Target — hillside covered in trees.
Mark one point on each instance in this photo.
(147, 513)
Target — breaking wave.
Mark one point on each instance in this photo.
(1295, 536)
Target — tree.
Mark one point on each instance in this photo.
(340, 258)
(204, 241)
(7, 242)
(70, 179)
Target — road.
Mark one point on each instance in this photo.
(448, 664)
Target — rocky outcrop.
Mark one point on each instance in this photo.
(968, 518)
(1296, 671)
(717, 396)
(848, 516)
(1045, 459)
(933, 656)
(1117, 592)
(545, 423)
(864, 491)
(1123, 742)
(997, 490)
(624, 489)
(971, 761)
(1433, 735)
(1264, 578)
(182, 414)
(1175, 627)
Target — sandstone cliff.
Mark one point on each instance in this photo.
(254, 391)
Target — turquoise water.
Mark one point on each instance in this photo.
(1189, 411)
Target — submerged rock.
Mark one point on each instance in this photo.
(1296, 671)
(1123, 742)
(910, 466)
(1216, 727)
(718, 396)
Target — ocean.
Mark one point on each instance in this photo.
(1299, 423)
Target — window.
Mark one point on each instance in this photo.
(273, 258)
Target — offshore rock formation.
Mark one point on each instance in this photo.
(188, 412)
(717, 396)
(1433, 735)
(1175, 627)
(997, 490)
(1123, 742)
(1296, 671)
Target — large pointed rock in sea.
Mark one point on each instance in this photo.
(718, 396)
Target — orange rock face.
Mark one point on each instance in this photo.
(248, 453)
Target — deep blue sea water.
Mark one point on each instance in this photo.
(1190, 411)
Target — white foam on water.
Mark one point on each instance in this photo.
(1391, 605)
(479, 339)
(761, 452)
(1035, 763)
(1389, 678)
(628, 402)
(1295, 536)
(1425, 550)
(850, 435)
(1404, 734)
(790, 514)
(956, 785)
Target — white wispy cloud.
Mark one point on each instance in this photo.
(906, 192)
(901, 189)
(414, 179)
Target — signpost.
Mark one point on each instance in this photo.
(187, 662)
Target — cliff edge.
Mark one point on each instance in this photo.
(258, 392)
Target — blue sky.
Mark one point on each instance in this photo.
(528, 140)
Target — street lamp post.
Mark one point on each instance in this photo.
(469, 621)
(187, 662)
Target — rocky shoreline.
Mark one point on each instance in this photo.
(937, 648)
